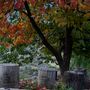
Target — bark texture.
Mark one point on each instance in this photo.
(63, 61)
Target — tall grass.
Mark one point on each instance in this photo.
(80, 61)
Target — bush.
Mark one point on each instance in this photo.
(62, 86)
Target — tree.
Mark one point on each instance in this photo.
(56, 22)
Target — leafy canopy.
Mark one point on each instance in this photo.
(53, 16)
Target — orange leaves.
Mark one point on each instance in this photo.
(2, 33)
(3, 22)
(12, 29)
(87, 2)
(3, 27)
(11, 36)
(18, 33)
(1, 5)
(72, 4)
(19, 40)
(42, 10)
(32, 2)
(84, 7)
(7, 45)
(87, 15)
(6, 6)
(61, 3)
(20, 26)
(19, 4)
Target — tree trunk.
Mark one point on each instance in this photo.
(67, 49)
(64, 61)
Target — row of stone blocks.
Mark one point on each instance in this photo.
(77, 79)
(9, 76)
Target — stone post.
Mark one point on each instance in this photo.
(47, 77)
(9, 76)
(75, 79)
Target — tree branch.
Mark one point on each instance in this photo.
(37, 29)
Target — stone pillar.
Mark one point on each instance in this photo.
(47, 77)
(84, 71)
(74, 79)
(9, 76)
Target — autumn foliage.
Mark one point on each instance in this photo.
(18, 33)
(21, 32)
